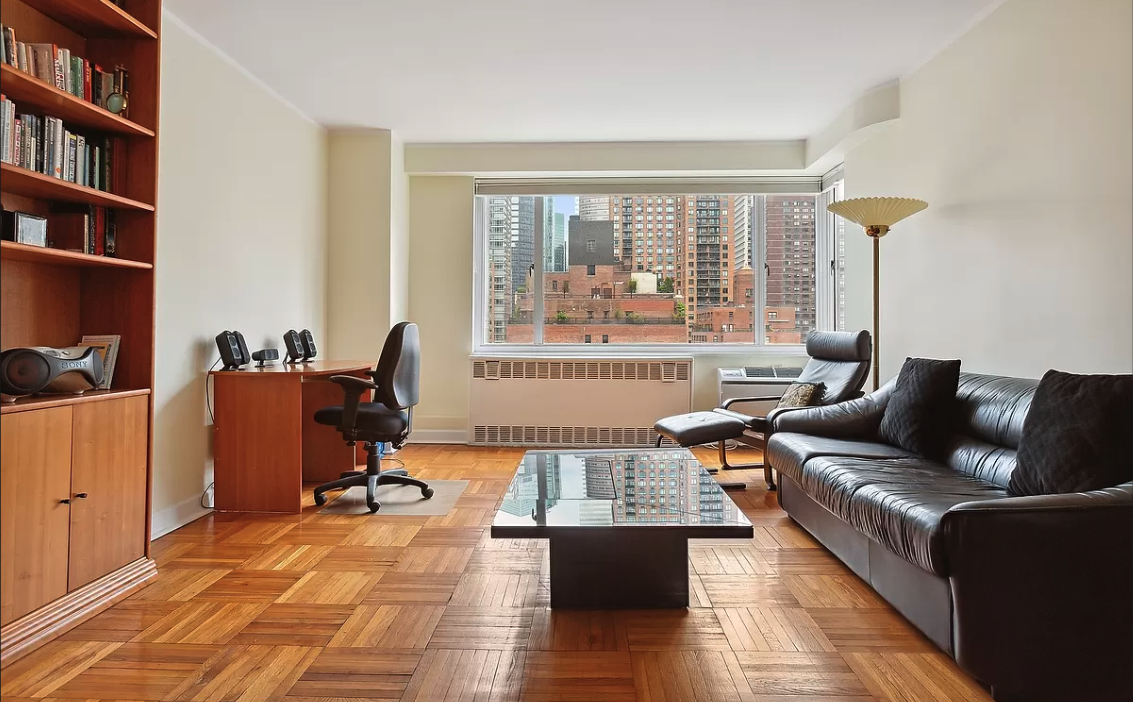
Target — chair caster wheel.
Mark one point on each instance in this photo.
(320, 499)
(427, 492)
(374, 506)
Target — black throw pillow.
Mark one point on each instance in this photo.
(1078, 435)
(921, 412)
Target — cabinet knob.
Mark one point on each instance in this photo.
(82, 496)
(64, 502)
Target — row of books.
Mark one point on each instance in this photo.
(45, 145)
(60, 68)
(90, 230)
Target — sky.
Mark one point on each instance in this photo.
(566, 204)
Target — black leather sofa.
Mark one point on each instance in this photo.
(1032, 596)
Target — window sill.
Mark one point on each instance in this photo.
(619, 351)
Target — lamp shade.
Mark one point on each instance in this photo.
(877, 214)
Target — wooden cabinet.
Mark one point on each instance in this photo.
(34, 519)
(74, 514)
(108, 486)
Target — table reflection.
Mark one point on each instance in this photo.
(603, 488)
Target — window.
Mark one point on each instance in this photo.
(743, 271)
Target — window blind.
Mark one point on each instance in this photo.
(648, 186)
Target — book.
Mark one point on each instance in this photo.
(107, 347)
(57, 66)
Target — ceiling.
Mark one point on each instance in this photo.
(579, 70)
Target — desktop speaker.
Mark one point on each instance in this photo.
(28, 370)
(294, 345)
(309, 349)
(265, 355)
(233, 350)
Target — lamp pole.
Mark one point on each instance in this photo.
(876, 311)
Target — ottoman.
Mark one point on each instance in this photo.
(697, 428)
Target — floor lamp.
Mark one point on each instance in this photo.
(877, 215)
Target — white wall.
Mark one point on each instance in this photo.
(241, 244)
(1019, 137)
(368, 230)
(440, 301)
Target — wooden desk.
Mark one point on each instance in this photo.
(265, 439)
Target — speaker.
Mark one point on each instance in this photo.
(233, 349)
(309, 349)
(294, 346)
(28, 370)
(265, 355)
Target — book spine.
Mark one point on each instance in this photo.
(86, 81)
(39, 147)
(22, 56)
(100, 231)
(59, 150)
(81, 160)
(17, 142)
(59, 74)
(96, 84)
(111, 233)
(88, 231)
(4, 149)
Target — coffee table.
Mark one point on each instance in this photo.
(618, 522)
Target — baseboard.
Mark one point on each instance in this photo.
(32, 630)
(438, 436)
(177, 516)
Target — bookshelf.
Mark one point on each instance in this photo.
(73, 560)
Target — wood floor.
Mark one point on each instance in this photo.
(251, 608)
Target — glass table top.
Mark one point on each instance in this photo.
(615, 488)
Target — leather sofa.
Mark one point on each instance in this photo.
(1032, 596)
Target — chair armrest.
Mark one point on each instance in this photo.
(853, 419)
(1040, 589)
(352, 388)
(734, 400)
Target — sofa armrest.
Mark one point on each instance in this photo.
(1040, 589)
(853, 419)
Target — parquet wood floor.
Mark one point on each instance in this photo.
(361, 608)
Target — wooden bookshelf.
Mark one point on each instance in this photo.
(11, 251)
(21, 181)
(36, 402)
(28, 91)
(99, 442)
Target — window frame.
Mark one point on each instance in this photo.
(825, 304)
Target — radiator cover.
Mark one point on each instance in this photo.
(575, 402)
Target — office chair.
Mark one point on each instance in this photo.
(840, 360)
(389, 418)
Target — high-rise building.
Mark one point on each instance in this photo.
(522, 239)
(593, 208)
(789, 232)
(749, 223)
(499, 267)
(554, 238)
(707, 243)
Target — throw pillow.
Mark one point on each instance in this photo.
(921, 412)
(1076, 436)
(801, 395)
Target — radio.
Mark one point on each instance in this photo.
(28, 370)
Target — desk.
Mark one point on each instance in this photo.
(265, 439)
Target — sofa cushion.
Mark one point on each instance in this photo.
(1076, 437)
(897, 502)
(921, 412)
(788, 452)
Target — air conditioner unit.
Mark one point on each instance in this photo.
(752, 381)
(575, 402)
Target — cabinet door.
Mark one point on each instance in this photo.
(35, 472)
(108, 486)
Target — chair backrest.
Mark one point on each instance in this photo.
(398, 375)
(838, 360)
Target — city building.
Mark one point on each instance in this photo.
(790, 251)
(593, 208)
(522, 238)
(708, 254)
(499, 267)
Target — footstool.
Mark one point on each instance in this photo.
(698, 428)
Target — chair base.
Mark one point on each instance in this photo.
(371, 479)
